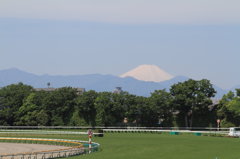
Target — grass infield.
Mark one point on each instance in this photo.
(164, 146)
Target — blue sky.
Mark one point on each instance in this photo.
(198, 39)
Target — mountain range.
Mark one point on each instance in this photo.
(143, 86)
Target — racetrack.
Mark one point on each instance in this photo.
(14, 148)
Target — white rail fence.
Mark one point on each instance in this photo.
(77, 130)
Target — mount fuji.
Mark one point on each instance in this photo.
(149, 73)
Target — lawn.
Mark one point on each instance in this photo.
(164, 146)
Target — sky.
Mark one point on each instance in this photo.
(197, 39)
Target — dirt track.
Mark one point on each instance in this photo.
(9, 148)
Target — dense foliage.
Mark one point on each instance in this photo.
(229, 109)
(185, 104)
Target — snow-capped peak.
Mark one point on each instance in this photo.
(148, 73)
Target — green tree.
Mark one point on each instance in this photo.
(11, 99)
(103, 104)
(191, 100)
(86, 105)
(111, 108)
(31, 112)
(238, 92)
(161, 103)
(130, 109)
(229, 109)
(60, 104)
(141, 112)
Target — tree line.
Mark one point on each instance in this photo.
(185, 104)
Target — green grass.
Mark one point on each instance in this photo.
(164, 146)
(156, 146)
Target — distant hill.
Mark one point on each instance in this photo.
(175, 80)
(95, 82)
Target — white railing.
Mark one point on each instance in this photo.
(57, 129)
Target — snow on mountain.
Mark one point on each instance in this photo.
(151, 73)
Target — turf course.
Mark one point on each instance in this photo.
(164, 146)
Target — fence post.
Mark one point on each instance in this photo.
(90, 133)
(43, 156)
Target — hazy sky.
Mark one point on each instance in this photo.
(194, 38)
